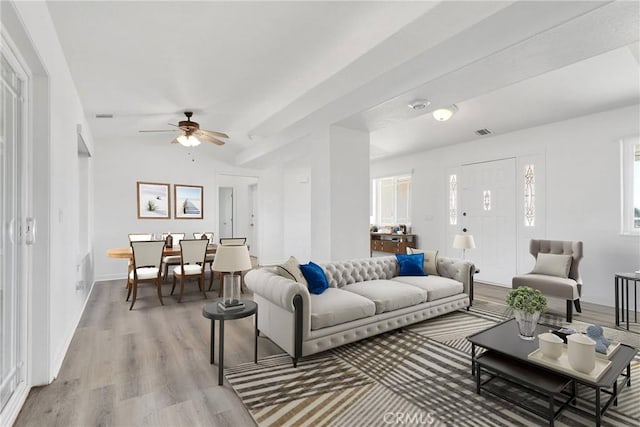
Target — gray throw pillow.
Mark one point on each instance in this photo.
(553, 265)
(291, 270)
(430, 259)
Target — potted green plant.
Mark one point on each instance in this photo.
(527, 305)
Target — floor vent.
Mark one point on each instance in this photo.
(483, 132)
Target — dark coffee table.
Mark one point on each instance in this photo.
(508, 354)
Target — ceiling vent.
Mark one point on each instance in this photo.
(483, 132)
(104, 116)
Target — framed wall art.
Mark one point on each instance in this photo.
(188, 202)
(153, 200)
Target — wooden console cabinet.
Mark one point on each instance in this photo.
(392, 243)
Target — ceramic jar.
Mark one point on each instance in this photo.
(550, 345)
(581, 352)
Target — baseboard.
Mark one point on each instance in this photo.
(59, 359)
(105, 277)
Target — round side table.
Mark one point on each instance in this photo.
(214, 312)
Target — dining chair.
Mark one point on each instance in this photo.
(231, 241)
(136, 237)
(171, 259)
(209, 258)
(192, 258)
(147, 260)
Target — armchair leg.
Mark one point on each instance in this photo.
(576, 302)
(569, 311)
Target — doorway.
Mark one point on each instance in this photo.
(226, 208)
(488, 206)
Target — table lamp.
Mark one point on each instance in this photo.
(464, 242)
(231, 259)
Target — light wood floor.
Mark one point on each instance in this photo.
(150, 366)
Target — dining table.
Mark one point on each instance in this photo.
(126, 252)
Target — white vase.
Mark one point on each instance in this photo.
(550, 345)
(527, 323)
(581, 352)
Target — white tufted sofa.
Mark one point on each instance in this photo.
(366, 297)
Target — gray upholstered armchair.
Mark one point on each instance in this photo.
(556, 273)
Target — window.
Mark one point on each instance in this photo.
(453, 199)
(630, 185)
(529, 196)
(391, 198)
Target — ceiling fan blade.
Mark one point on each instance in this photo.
(212, 133)
(164, 130)
(209, 138)
(175, 141)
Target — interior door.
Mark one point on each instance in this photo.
(13, 255)
(225, 204)
(488, 205)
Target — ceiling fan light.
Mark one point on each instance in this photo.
(188, 141)
(444, 114)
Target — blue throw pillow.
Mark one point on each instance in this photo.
(316, 279)
(411, 265)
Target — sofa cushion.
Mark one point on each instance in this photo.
(388, 295)
(437, 287)
(553, 265)
(291, 270)
(316, 279)
(411, 265)
(335, 306)
(430, 259)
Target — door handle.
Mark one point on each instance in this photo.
(30, 235)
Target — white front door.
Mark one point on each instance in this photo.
(13, 249)
(225, 204)
(252, 234)
(488, 206)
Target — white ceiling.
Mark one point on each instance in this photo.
(270, 73)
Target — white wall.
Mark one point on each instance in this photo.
(297, 211)
(119, 164)
(56, 303)
(582, 189)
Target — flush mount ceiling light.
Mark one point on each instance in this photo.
(188, 140)
(419, 104)
(443, 114)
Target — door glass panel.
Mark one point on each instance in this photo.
(10, 315)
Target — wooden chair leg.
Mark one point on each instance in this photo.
(181, 287)
(159, 286)
(202, 284)
(213, 275)
(135, 293)
(174, 284)
(129, 286)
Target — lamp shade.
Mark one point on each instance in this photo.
(231, 258)
(463, 241)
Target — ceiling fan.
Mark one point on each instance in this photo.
(192, 134)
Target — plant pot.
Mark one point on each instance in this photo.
(527, 323)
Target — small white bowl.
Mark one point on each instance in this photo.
(550, 345)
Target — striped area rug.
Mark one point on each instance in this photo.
(418, 376)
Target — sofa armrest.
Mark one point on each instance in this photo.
(458, 269)
(275, 288)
